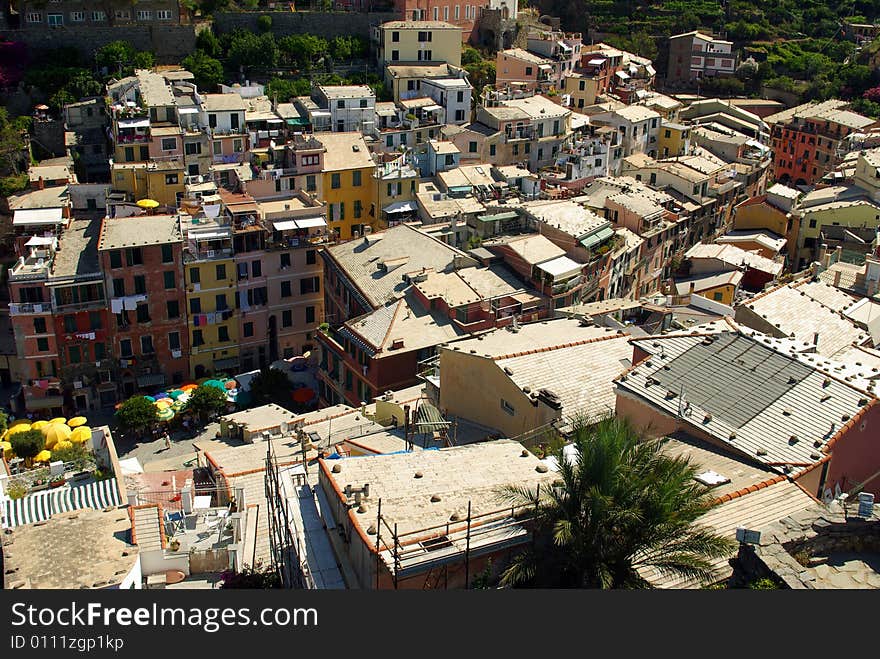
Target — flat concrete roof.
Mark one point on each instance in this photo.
(77, 549)
(449, 480)
(139, 231)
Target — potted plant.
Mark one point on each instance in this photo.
(174, 545)
(57, 481)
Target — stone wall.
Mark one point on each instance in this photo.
(169, 43)
(325, 24)
(795, 552)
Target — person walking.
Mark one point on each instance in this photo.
(167, 439)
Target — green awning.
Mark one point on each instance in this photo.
(509, 215)
(461, 188)
(298, 122)
(429, 419)
(597, 238)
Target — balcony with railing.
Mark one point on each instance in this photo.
(512, 134)
(25, 308)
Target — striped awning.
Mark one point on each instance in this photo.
(40, 506)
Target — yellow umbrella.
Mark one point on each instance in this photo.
(77, 421)
(81, 434)
(56, 432)
(5, 449)
(148, 203)
(21, 427)
(39, 425)
(162, 405)
(58, 419)
(43, 456)
(63, 444)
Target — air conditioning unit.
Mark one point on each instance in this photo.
(176, 354)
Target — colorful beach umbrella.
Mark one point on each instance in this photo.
(77, 421)
(6, 449)
(56, 432)
(150, 398)
(21, 427)
(58, 419)
(166, 414)
(81, 434)
(43, 456)
(189, 387)
(39, 425)
(64, 444)
(148, 203)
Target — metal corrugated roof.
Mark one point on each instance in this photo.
(758, 401)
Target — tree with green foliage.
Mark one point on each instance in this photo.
(264, 23)
(14, 157)
(208, 71)
(271, 386)
(250, 50)
(27, 444)
(143, 60)
(208, 42)
(303, 49)
(115, 56)
(284, 89)
(640, 43)
(481, 71)
(137, 414)
(205, 402)
(121, 59)
(622, 505)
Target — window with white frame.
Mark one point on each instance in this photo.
(237, 146)
(123, 15)
(164, 14)
(55, 20)
(99, 16)
(445, 13)
(145, 14)
(77, 16)
(436, 13)
(34, 17)
(169, 143)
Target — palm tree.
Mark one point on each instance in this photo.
(621, 506)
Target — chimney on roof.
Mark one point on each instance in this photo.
(815, 338)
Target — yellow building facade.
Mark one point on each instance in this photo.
(161, 181)
(212, 316)
(583, 89)
(349, 188)
(673, 140)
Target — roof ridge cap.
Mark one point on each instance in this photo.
(559, 346)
